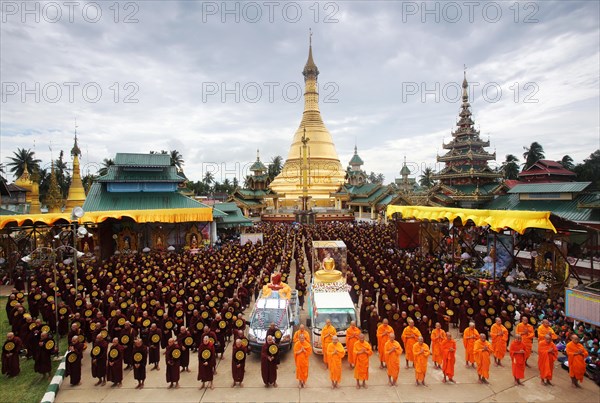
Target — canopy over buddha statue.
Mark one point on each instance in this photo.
(328, 273)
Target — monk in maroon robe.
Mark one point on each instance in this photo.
(238, 362)
(154, 336)
(73, 362)
(43, 361)
(115, 363)
(172, 353)
(206, 362)
(98, 354)
(10, 355)
(269, 359)
(140, 360)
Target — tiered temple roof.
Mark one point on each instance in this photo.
(466, 177)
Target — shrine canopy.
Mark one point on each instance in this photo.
(498, 220)
(140, 216)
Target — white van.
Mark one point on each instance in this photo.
(283, 312)
(335, 306)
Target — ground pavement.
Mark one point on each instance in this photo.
(318, 387)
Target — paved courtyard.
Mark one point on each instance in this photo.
(467, 389)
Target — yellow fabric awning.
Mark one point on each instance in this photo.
(517, 220)
(139, 216)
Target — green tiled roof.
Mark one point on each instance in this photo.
(142, 160)
(8, 212)
(118, 174)
(98, 199)
(370, 199)
(470, 189)
(567, 209)
(356, 160)
(562, 187)
(258, 166)
(233, 217)
(385, 201)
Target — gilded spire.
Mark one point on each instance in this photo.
(76, 196)
(310, 69)
(465, 85)
(75, 150)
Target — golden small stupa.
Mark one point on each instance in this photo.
(76, 196)
(325, 172)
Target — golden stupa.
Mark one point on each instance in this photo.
(76, 196)
(325, 172)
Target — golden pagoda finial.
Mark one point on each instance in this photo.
(310, 69)
(465, 85)
(257, 154)
(76, 195)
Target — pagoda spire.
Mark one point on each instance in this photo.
(53, 198)
(76, 196)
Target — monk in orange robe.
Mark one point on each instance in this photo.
(362, 352)
(420, 353)
(576, 354)
(437, 337)
(517, 354)
(410, 335)
(335, 353)
(383, 335)
(351, 338)
(301, 331)
(326, 336)
(448, 357)
(499, 336)
(544, 329)
(302, 351)
(527, 333)
(470, 336)
(547, 354)
(393, 350)
(482, 350)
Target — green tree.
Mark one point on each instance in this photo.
(567, 162)
(22, 157)
(426, 178)
(62, 175)
(106, 163)
(275, 166)
(87, 181)
(589, 170)
(510, 167)
(177, 160)
(533, 154)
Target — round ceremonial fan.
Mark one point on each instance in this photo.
(273, 349)
(124, 339)
(222, 324)
(199, 325)
(240, 355)
(138, 357)
(155, 338)
(239, 323)
(176, 353)
(188, 341)
(278, 334)
(206, 354)
(72, 357)
(10, 346)
(96, 351)
(114, 353)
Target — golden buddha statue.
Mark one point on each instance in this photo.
(328, 273)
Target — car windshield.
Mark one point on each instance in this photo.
(262, 318)
(340, 318)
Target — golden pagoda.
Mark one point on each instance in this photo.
(30, 183)
(54, 200)
(76, 196)
(325, 172)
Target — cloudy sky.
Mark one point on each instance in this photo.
(218, 80)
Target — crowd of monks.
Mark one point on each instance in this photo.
(138, 310)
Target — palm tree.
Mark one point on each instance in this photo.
(275, 167)
(105, 165)
(87, 181)
(426, 179)
(208, 178)
(533, 154)
(177, 160)
(22, 157)
(567, 162)
(510, 167)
